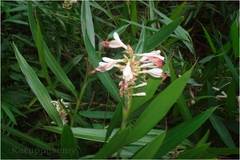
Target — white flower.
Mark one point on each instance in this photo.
(140, 85)
(153, 56)
(139, 94)
(127, 72)
(116, 43)
(106, 65)
(155, 72)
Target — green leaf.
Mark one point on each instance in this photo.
(96, 114)
(234, 34)
(150, 89)
(87, 23)
(11, 149)
(15, 21)
(50, 60)
(209, 39)
(115, 120)
(116, 143)
(179, 133)
(231, 68)
(141, 45)
(231, 100)
(39, 42)
(222, 131)
(180, 32)
(181, 102)
(195, 152)
(177, 12)
(37, 88)
(31, 140)
(68, 143)
(151, 148)
(154, 113)
(9, 113)
(133, 15)
(156, 39)
(204, 139)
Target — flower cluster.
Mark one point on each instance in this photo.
(63, 114)
(67, 4)
(149, 63)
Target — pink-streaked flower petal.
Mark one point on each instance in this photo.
(104, 66)
(116, 43)
(156, 61)
(155, 72)
(154, 57)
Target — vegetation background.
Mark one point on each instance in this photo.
(49, 48)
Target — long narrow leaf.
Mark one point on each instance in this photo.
(68, 144)
(87, 23)
(156, 39)
(33, 141)
(195, 152)
(151, 148)
(50, 60)
(37, 87)
(179, 133)
(158, 108)
(222, 131)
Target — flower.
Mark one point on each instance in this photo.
(155, 72)
(116, 43)
(140, 85)
(139, 94)
(127, 72)
(63, 114)
(154, 57)
(107, 65)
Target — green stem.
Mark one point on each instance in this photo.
(80, 98)
(126, 108)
